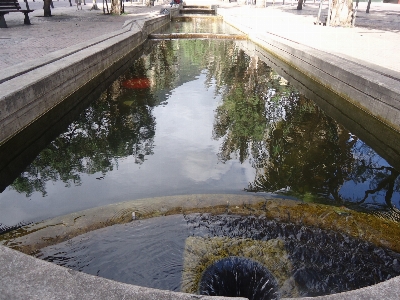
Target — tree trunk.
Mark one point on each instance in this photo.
(104, 7)
(368, 6)
(116, 7)
(341, 13)
(95, 7)
(46, 8)
(300, 5)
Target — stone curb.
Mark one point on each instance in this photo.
(25, 277)
(28, 91)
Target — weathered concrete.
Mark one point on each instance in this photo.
(29, 90)
(25, 277)
(383, 139)
(388, 290)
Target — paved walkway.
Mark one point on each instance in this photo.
(67, 27)
(374, 40)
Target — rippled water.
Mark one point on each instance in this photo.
(158, 253)
(147, 253)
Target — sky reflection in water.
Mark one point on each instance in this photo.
(213, 121)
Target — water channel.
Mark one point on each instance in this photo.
(211, 117)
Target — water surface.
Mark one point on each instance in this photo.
(170, 252)
(213, 120)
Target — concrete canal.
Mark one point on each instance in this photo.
(190, 160)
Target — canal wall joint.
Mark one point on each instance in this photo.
(365, 86)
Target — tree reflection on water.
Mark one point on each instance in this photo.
(294, 147)
(119, 124)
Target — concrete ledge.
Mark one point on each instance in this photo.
(24, 67)
(386, 142)
(25, 277)
(372, 91)
(388, 290)
(28, 91)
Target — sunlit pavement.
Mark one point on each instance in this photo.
(67, 27)
(374, 40)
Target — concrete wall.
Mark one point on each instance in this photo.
(383, 139)
(30, 90)
(25, 277)
(362, 85)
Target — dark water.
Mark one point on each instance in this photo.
(147, 253)
(213, 120)
(237, 276)
(152, 253)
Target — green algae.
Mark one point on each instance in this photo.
(200, 253)
(380, 232)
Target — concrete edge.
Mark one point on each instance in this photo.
(388, 290)
(25, 67)
(44, 86)
(26, 277)
(373, 91)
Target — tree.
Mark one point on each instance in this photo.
(46, 7)
(300, 5)
(116, 7)
(340, 12)
(95, 7)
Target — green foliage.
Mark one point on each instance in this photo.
(293, 146)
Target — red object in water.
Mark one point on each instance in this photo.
(136, 83)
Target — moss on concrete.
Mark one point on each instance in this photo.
(378, 231)
(200, 253)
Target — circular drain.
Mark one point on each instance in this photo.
(239, 277)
